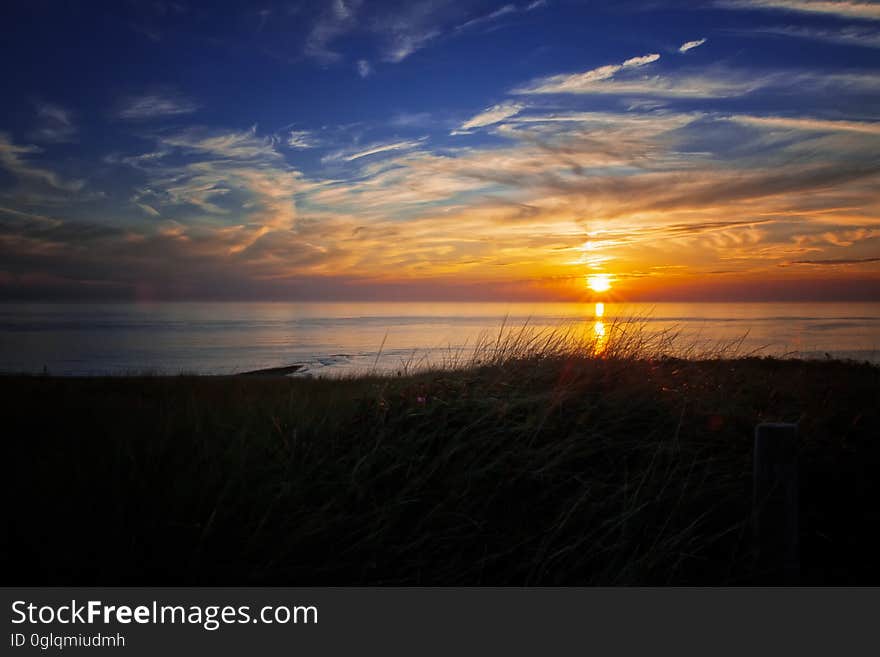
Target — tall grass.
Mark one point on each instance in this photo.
(622, 339)
(534, 457)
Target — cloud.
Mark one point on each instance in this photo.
(849, 36)
(808, 124)
(242, 144)
(708, 82)
(504, 10)
(690, 45)
(412, 26)
(56, 124)
(376, 149)
(834, 262)
(232, 190)
(12, 158)
(490, 116)
(401, 29)
(583, 82)
(154, 106)
(605, 166)
(426, 21)
(153, 212)
(54, 113)
(301, 139)
(640, 61)
(416, 120)
(488, 18)
(337, 19)
(363, 68)
(839, 8)
(404, 44)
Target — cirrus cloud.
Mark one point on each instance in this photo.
(586, 81)
(490, 116)
(840, 8)
(154, 106)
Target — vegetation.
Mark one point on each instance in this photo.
(541, 459)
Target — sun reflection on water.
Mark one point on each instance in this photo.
(599, 337)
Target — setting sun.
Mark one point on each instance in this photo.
(599, 282)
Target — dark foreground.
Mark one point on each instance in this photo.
(583, 471)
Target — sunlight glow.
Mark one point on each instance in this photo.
(600, 310)
(599, 338)
(599, 282)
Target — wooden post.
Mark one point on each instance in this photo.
(775, 511)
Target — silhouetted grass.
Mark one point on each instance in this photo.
(535, 458)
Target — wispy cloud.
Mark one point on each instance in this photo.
(584, 82)
(501, 12)
(338, 18)
(708, 82)
(363, 68)
(301, 139)
(404, 42)
(865, 37)
(375, 149)
(808, 124)
(243, 144)
(490, 116)
(488, 18)
(235, 176)
(401, 29)
(834, 262)
(155, 106)
(148, 209)
(427, 21)
(56, 124)
(419, 120)
(13, 159)
(840, 8)
(690, 45)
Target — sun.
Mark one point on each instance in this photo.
(599, 282)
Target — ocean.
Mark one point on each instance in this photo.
(341, 338)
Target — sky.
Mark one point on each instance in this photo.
(437, 150)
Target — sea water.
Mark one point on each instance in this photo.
(335, 338)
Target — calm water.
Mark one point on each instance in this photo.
(216, 338)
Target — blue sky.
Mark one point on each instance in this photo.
(355, 149)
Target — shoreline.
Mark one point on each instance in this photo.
(330, 373)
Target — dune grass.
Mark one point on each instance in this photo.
(539, 457)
